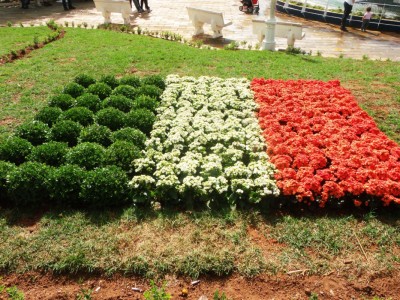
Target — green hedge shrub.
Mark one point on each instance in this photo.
(48, 115)
(119, 102)
(110, 80)
(52, 153)
(126, 90)
(147, 102)
(5, 169)
(35, 132)
(89, 101)
(84, 80)
(74, 89)
(100, 89)
(131, 80)
(62, 101)
(156, 80)
(150, 90)
(122, 154)
(132, 135)
(86, 155)
(96, 134)
(28, 184)
(111, 117)
(104, 187)
(81, 115)
(15, 150)
(141, 119)
(65, 131)
(65, 185)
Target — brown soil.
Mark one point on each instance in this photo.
(333, 286)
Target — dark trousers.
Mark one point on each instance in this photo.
(347, 11)
(136, 3)
(25, 3)
(365, 24)
(146, 4)
(67, 4)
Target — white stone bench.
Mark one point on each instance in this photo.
(291, 31)
(200, 16)
(106, 7)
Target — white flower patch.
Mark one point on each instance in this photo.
(206, 144)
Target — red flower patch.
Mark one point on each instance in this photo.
(323, 145)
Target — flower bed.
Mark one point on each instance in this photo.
(206, 145)
(324, 146)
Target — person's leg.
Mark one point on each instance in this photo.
(346, 13)
(65, 4)
(366, 24)
(70, 6)
(146, 4)
(137, 5)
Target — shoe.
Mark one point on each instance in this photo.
(343, 29)
(140, 11)
(148, 9)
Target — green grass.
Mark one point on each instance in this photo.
(20, 38)
(154, 243)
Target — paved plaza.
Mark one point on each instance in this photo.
(321, 38)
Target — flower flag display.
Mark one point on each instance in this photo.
(206, 144)
(324, 145)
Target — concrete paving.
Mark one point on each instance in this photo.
(320, 38)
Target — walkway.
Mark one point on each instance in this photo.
(168, 15)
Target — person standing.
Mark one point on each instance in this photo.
(137, 5)
(67, 4)
(348, 6)
(366, 18)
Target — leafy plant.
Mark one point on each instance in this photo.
(66, 131)
(131, 80)
(35, 132)
(84, 80)
(89, 101)
(111, 117)
(84, 294)
(52, 153)
(125, 90)
(63, 101)
(110, 80)
(156, 80)
(156, 293)
(147, 102)
(15, 150)
(100, 89)
(96, 134)
(122, 154)
(150, 90)
(81, 115)
(74, 89)
(119, 102)
(142, 119)
(48, 115)
(232, 46)
(14, 293)
(217, 296)
(86, 155)
(5, 168)
(132, 135)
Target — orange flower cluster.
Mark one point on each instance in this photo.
(324, 145)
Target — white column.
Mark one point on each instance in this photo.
(269, 42)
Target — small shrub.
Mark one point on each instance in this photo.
(48, 115)
(125, 90)
(131, 80)
(119, 102)
(63, 101)
(156, 80)
(156, 293)
(151, 91)
(105, 187)
(52, 153)
(141, 119)
(86, 155)
(96, 134)
(27, 184)
(131, 135)
(100, 89)
(65, 185)
(121, 154)
(147, 102)
(35, 132)
(5, 169)
(89, 101)
(111, 117)
(15, 150)
(84, 80)
(110, 80)
(74, 89)
(66, 131)
(232, 46)
(81, 115)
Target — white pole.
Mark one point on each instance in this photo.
(269, 42)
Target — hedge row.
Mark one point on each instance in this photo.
(78, 150)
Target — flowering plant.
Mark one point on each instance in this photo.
(323, 144)
(206, 144)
